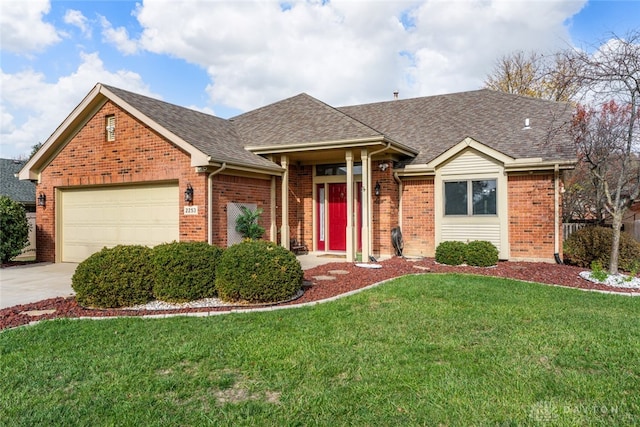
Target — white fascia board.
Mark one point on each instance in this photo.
(470, 143)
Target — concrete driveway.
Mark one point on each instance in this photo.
(35, 282)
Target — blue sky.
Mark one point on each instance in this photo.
(226, 57)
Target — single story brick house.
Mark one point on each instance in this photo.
(482, 165)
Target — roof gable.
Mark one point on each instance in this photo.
(215, 139)
(299, 120)
(207, 139)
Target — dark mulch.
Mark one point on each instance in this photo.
(317, 290)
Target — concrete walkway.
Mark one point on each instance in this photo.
(36, 282)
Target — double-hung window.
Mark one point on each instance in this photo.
(470, 197)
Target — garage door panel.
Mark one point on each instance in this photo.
(99, 217)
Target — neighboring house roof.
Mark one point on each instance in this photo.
(19, 191)
(436, 123)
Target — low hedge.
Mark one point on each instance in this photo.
(257, 271)
(590, 244)
(451, 252)
(185, 271)
(121, 276)
(481, 253)
(478, 253)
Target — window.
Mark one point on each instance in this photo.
(337, 169)
(110, 127)
(462, 197)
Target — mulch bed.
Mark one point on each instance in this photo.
(318, 289)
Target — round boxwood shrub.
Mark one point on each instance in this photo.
(451, 252)
(591, 244)
(257, 271)
(185, 271)
(481, 253)
(121, 276)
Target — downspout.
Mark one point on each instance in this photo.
(556, 216)
(210, 201)
(396, 178)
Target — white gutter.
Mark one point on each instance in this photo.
(210, 202)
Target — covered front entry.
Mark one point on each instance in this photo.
(331, 211)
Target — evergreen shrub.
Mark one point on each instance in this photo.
(14, 229)
(481, 253)
(257, 271)
(185, 271)
(451, 252)
(121, 276)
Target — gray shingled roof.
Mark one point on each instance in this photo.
(212, 135)
(20, 191)
(436, 123)
(431, 125)
(298, 120)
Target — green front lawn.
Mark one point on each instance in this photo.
(419, 350)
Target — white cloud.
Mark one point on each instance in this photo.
(77, 19)
(119, 37)
(344, 51)
(22, 29)
(39, 107)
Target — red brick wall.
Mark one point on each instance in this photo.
(138, 155)
(531, 217)
(418, 215)
(385, 208)
(237, 189)
(301, 203)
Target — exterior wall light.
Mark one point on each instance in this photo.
(377, 189)
(188, 194)
(42, 200)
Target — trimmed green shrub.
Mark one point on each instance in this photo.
(185, 271)
(14, 229)
(121, 276)
(481, 253)
(594, 244)
(257, 271)
(451, 252)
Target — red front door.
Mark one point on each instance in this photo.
(337, 217)
(331, 210)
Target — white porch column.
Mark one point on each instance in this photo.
(351, 247)
(284, 230)
(366, 204)
(273, 229)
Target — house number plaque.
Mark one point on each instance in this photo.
(191, 210)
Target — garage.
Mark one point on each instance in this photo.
(92, 218)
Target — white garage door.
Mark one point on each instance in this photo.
(99, 217)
